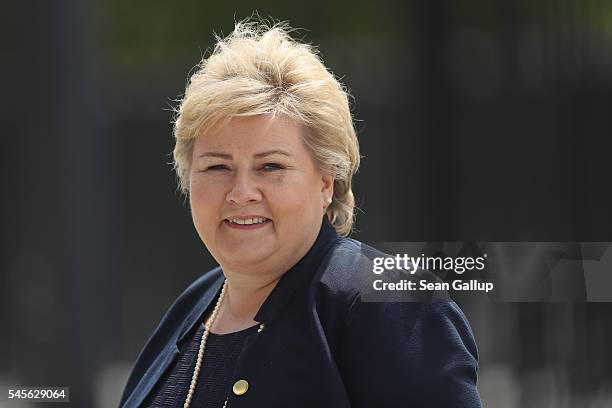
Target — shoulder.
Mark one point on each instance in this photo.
(349, 259)
(339, 279)
(342, 287)
(419, 350)
(348, 271)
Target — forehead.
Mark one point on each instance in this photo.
(252, 132)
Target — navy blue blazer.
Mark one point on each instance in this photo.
(323, 347)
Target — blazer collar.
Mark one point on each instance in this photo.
(302, 272)
(211, 293)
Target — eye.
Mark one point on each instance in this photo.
(216, 167)
(272, 167)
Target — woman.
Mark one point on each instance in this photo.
(266, 151)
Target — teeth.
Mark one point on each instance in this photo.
(248, 221)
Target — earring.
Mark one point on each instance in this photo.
(328, 200)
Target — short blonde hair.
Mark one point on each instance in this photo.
(260, 69)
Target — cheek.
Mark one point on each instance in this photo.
(298, 197)
(204, 197)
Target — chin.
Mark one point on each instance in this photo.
(241, 256)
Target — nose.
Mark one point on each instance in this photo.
(244, 190)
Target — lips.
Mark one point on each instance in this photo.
(247, 220)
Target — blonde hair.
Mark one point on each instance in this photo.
(260, 69)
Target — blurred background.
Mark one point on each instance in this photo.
(479, 120)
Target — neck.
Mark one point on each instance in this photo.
(240, 305)
(245, 294)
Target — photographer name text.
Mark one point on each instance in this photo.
(471, 285)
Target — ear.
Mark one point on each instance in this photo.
(327, 187)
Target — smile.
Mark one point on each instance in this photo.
(247, 223)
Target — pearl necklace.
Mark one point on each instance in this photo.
(198, 365)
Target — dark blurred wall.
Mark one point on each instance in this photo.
(478, 120)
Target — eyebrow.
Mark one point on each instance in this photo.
(215, 154)
(257, 155)
(271, 152)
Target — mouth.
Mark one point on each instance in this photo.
(246, 223)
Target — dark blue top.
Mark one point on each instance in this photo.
(214, 382)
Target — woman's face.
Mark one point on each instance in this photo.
(257, 197)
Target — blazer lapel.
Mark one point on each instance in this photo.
(171, 350)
